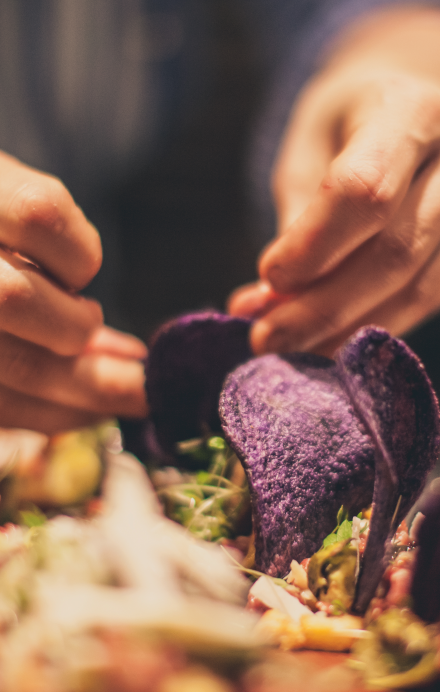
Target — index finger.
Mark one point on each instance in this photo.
(40, 220)
(38, 310)
(362, 190)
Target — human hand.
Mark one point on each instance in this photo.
(59, 366)
(357, 189)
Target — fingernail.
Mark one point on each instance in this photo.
(255, 300)
(262, 338)
(112, 341)
(265, 338)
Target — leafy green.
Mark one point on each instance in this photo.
(209, 504)
(339, 608)
(332, 574)
(32, 517)
(330, 540)
(399, 653)
(217, 443)
(343, 529)
(342, 515)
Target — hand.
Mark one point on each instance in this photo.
(59, 366)
(357, 187)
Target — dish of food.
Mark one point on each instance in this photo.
(312, 435)
(290, 477)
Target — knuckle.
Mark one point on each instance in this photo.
(44, 208)
(15, 291)
(326, 323)
(366, 187)
(22, 367)
(396, 251)
(42, 205)
(73, 336)
(422, 100)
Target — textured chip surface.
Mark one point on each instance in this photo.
(188, 361)
(393, 396)
(304, 449)
(314, 434)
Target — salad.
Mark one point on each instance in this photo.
(262, 535)
(311, 608)
(349, 443)
(106, 593)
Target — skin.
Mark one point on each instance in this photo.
(357, 190)
(356, 186)
(60, 367)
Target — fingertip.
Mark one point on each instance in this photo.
(94, 262)
(121, 383)
(249, 300)
(273, 270)
(274, 333)
(114, 342)
(53, 232)
(279, 277)
(261, 336)
(95, 316)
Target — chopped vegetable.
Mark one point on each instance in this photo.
(400, 653)
(208, 503)
(332, 574)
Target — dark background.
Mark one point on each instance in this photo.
(184, 225)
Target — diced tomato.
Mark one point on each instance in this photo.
(401, 537)
(95, 506)
(399, 586)
(305, 563)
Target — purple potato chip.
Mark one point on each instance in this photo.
(393, 396)
(304, 450)
(314, 434)
(188, 361)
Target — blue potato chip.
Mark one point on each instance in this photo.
(314, 434)
(304, 450)
(188, 361)
(393, 396)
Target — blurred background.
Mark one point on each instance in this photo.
(179, 228)
(163, 117)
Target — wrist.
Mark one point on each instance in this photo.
(404, 40)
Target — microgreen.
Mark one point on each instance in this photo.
(343, 530)
(209, 503)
